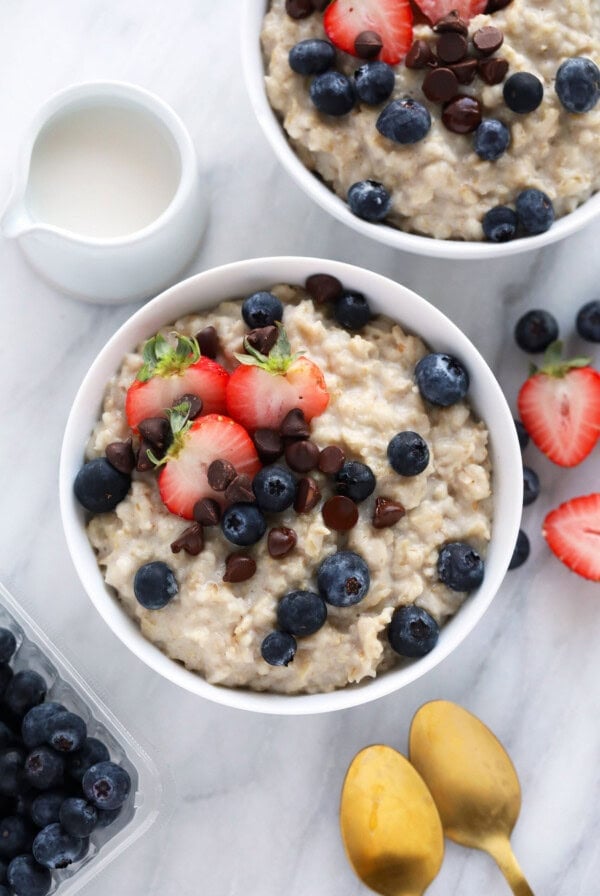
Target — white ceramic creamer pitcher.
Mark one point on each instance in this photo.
(107, 202)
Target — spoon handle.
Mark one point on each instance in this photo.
(501, 852)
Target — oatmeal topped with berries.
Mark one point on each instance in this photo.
(289, 493)
(455, 119)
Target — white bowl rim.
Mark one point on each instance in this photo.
(329, 201)
(507, 489)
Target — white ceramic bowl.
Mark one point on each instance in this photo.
(415, 314)
(253, 14)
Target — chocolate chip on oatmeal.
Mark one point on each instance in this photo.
(440, 85)
(496, 5)
(207, 512)
(194, 402)
(368, 45)
(451, 23)
(323, 288)
(307, 495)
(191, 541)
(465, 71)
(492, 71)
(262, 339)
(240, 491)
(208, 340)
(331, 460)
(487, 40)
(294, 425)
(281, 541)
(268, 444)
(452, 47)
(157, 431)
(420, 55)
(220, 474)
(302, 456)
(462, 115)
(340, 513)
(299, 9)
(321, 5)
(120, 456)
(239, 568)
(143, 462)
(387, 512)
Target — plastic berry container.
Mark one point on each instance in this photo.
(150, 797)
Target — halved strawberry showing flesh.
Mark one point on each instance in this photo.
(262, 390)
(560, 408)
(437, 9)
(392, 20)
(168, 373)
(573, 534)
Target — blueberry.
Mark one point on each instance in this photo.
(66, 731)
(412, 631)
(352, 310)
(521, 551)
(15, 836)
(274, 488)
(54, 848)
(578, 84)
(92, 752)
(523, 92)
(78, 817)
(7, 736)
(369, 200)
(408, 453)
(355, 480)
(375, 82)
(3, 870)
(278, 649)
(243, 524)
(500, 224)
(588, 321)
(99, 487)
(4, 891)
(34, 729)
(460, 567)
(45, 807)
(44, 768)
(536, 330)
(522, 435)
(6, 676)
(12, 760)
(534, 211)
(333, 93)
(301, 613)
(155, 585)
(343, 579)
(491, 139)
(531, 486)
(27, 878)
(107, 817)
(8, 645)
(261, 309)
(441, 379)
(311, 57)
(404, 121)
(106, 785)
(25, 690)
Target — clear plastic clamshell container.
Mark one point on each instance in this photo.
(151, 791)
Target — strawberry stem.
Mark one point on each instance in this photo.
(180, 423)
(163, 359)
(279, 359)
(554, 365)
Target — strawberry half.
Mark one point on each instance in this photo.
(392, 20)
(169, 372)
(436, 9)
(573, 534)
(182, 480)
(262, 390)
(560, 407)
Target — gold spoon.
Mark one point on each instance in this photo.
(473, 782)
(390, 827)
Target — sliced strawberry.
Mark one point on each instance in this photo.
(183, 480)
(573, 534)
(263, 389)
(392, 20)
(560, 408)
(171, 372)
(436, 9)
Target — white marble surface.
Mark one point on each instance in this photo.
(257, 796)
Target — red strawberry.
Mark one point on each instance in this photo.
(262, 390)
(171, 372)
(183, 481)
(392, 20)
(560, 408)
(436, 9)
(573, 534)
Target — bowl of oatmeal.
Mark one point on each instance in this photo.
(436, 177)
(330, 520)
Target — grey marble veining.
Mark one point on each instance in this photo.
(257, 796)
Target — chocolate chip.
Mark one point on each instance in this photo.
(440, 85)
(307, 495)
(368, 45)
(340, 513)
(452, 47)
(387, 512)
(294, 425)
(191, 541)
(462, 115)
(299, 9)
(487, 40)
(492, 71)
(331, 460)
(280, 541)
(302, 456)
(194, 402)
(420, 55)
(240, 491)
(156, 431)
(208, 340)
(220, 474)
(320, 5)
(451, 23)
(465, 71)
(496, 5)
(239, 568)
(268, 444)
(323, 288)
(262, 339)
(207, 512)
(120, 456)
(143, 463)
